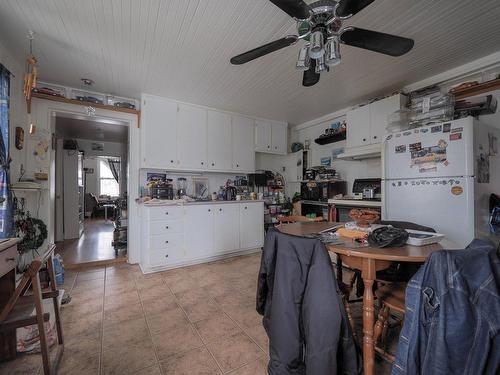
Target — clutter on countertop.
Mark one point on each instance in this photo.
(364, 217)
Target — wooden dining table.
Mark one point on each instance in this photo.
(368, 260)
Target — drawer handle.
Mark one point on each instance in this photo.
(171, 161)
(166, 256)
(374, 137)
(202, 163)
(166, 241)
(10, 259)
(213, 164)
(166, 227)
(364, 139)
(245, 207)
(209, 210)
(166, 213)
(237, 165)
(220, 209)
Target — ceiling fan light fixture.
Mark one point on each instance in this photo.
(320, 65)
(333, 56)
(316, 49)
(303, 61)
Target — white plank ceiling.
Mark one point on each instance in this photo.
(181, 49)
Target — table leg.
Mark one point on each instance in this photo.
(368, 275)
(105, 213)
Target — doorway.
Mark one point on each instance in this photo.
(91, 164)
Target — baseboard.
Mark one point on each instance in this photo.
(192, 262)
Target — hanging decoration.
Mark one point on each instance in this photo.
(31, 72)
(33, 232)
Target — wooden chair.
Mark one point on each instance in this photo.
(18, 311)
(391, 297)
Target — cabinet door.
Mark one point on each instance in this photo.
(199, 231)
(226, 227)
(243, 144)
(358, 126)
(219, 141)
(379, 113)
(251, 225)
(192, 138)
(158, 133)
(263, 137)
(279, 139)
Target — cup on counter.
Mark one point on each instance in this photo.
(238, 197)
(253, 195)
(261, 196)
(214, 196)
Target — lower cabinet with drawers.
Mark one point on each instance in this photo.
(175, 236)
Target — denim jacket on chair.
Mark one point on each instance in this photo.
(452, 317)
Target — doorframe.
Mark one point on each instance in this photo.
(44, 115)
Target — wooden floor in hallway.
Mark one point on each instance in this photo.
(93, 247)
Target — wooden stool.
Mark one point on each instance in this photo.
(391, 297)
(17, 312)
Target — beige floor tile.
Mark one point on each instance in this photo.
(89, 323)
(97, 273)
(193, 362)
(125, 333)
(84, 345)
(216, 328)
(119, 287)
(75, 311)
(161, 291)
(159, 305)
(259, 335)
(191, 296)
(234, 351)
(180, 283)
(123, 313)
(87, 293)
(176, 340)
(167, 320)
(154, 370)
(258, 367)
(24, 364)
(128, 360)
(147, 283)
(200, 311)
(121, 300)
(71, 365)
(246, 316)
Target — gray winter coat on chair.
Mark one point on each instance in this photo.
(303, 312)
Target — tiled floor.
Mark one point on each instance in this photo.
(95, 244)
(199, 320)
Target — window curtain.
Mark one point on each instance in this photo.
(114, 166)
(6, 218)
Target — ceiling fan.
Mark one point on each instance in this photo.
(320, 25)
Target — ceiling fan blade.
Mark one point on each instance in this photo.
(348, 8)
(310, 77)
(378, 42)
(294, 8)
(264, 50)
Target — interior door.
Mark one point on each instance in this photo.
(262, 136)
(219, 141)
(226, 224)
(159, 133)
(199, 231)
(192, 137)
(243, 144)
(251, 225)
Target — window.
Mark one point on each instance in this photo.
(107, 183)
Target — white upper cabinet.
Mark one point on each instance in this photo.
(262, 136)
(243, 144)
(379, 113)
(270, 137)
(279, 138)
(158, 133)
(192, 137)
(358, 126)
(366, 125)
(219, 141)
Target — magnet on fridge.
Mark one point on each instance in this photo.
(436, 129)
(457, 130)
(389, 137)
(425, 130)
(457, 190)
(446, 127)
(455, 136)
(406, 133)
(416, 131)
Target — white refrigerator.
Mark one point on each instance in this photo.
(441, 176)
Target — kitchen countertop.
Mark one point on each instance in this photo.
(355, 202)
(193, 203)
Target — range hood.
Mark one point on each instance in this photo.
(362, 152)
